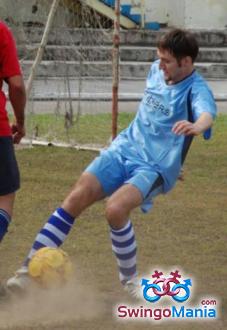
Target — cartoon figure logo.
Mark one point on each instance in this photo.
(171, 286)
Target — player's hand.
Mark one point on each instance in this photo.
(184, 127)
(18, 131)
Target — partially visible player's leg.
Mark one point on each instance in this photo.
(9, 182)
(6, 209)
(7, 202)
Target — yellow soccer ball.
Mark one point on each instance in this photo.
(50, 267)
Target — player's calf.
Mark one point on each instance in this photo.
(124, 248)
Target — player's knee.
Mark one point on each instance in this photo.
(115, 214)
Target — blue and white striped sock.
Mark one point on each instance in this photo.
(5, 219)
(124, 248)
(54, 232)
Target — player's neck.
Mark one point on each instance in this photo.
(181, 76)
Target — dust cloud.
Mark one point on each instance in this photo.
(48, 307)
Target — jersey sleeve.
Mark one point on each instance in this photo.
(202, 100)
(9, 63)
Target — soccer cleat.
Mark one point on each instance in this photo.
(20, 281)
(134, 288)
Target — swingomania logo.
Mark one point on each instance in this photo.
(152, 292)
(167, 297)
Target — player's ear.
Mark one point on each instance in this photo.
(186, 61)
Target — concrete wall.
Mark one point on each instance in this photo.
(199, 14)
(170, 12)
(210, 14)
(204, 14)
(17, 10)
(35, 11)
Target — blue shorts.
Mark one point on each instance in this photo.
(9, 173)
(113, 170)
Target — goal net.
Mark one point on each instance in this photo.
(71, 90)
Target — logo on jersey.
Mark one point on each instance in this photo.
(156, 104)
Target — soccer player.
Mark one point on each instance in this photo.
(144, 160)
(10, 73)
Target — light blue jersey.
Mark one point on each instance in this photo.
(149, 138)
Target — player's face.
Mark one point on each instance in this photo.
(173, 70)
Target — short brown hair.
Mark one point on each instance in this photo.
(179, 43)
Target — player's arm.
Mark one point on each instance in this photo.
(17, 97)
(184, 127)
(10, 71)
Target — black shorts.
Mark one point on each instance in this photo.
(9, 173)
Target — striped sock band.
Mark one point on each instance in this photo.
(124, 248)
(5, 219)
(54, 232)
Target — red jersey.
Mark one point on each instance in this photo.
(9, 67)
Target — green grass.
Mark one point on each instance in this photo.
(95, 129)
(186, 228)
